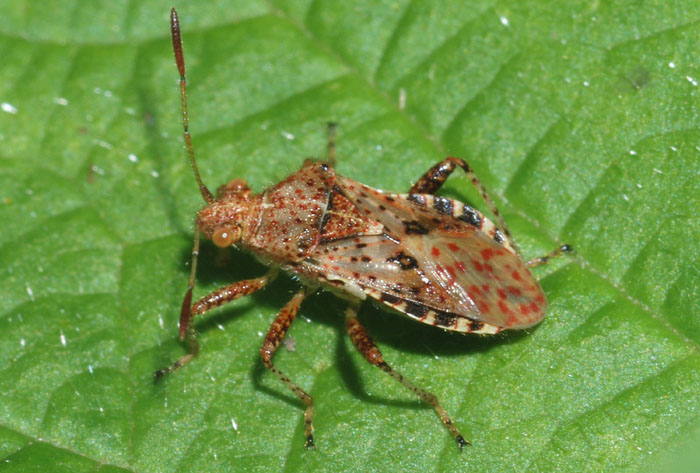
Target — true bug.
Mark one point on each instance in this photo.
(433, 259)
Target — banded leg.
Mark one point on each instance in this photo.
(552, 254)
(431, 181)
(274, 337)
(365, 344)
(215, 299)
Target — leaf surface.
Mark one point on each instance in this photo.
(580, 118)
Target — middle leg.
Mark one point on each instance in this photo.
(274, 337)
(330, 148)
(330, 145)
(365, 344)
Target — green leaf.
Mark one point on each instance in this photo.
(580, 118)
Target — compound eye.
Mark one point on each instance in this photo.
(224, 236)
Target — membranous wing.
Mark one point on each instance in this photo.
(459, 257)
(376, 266)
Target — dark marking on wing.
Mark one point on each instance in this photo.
(404, 261)
(417, 198)
(443, 205)
(445, 319)
(414, 228)
(416, 309)
(324, 221)
(475, 325)
(330, 199)
(389, 298)
(460, 264)
(498, 236)
(471, 216)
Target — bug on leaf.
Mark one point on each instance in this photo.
(434, 259)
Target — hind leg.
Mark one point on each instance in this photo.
(365, 345)
(435, 177)
(552, 254)
(330, 146)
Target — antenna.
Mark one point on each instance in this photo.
(180, 61)
(186, 328)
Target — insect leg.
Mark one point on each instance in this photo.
(330, 149)
(365, 344)
(435, 177)
(274, 337)
(553, 254)
(219, 297)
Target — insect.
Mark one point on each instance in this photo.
(434, 259)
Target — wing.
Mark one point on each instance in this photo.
(459, 251)
(377, 266)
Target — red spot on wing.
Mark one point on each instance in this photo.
(487, 253)
(471, 274)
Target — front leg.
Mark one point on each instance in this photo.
(210, 301)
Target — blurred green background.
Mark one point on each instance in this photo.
(580, 117)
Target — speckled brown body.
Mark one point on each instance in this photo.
(433, 259)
